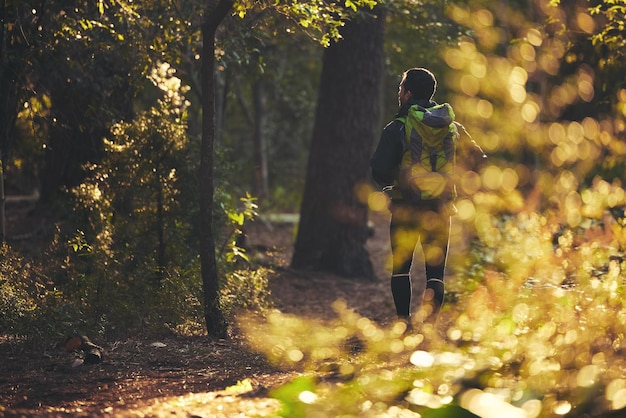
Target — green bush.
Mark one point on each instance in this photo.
(17, 305)
(246, 289)
(30, 305)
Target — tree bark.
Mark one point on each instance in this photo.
(215, 321)
(261, 186)
(2, 127)
(333, 221)
(4, 119)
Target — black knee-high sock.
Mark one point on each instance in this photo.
(435, 289)
(401, 291)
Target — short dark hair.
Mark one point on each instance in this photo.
(420, 82)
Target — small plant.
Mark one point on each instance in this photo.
(233, 248)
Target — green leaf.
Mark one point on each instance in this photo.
(289, 396)
(236, 218)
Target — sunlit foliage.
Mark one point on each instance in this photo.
(17, 304)
(31, 305)
(513, 105)
(534, 322)
(320, 20)
(137, 226)
(537, 330)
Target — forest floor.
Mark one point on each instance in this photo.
(189, 376)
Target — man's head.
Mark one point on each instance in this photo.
(417, 83)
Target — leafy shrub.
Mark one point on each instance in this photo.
(17, 306)
(246, 289)
(30, 305)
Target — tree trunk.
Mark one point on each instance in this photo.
(5, 124)
(160, 230)
(261, 187)
(333, 220)
(3, 230)
(213, 315)
(3, 141)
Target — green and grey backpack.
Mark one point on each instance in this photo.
(426, 170)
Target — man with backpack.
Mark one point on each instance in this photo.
(414, 163)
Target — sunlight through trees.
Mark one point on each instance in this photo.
(102, 106)
(537, 324)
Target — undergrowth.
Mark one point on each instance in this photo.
(537, 329)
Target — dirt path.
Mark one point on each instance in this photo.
(186, 376)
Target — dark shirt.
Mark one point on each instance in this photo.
(386, 160)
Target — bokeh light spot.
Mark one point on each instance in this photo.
(422, 359)
(307, 397)
(378, 201)
(527, 52)
(587, 375)
(585, 22)
(530, 111)
(484, 109)
(619, 401)
(518, 76)
(534, 37)
(470, 85)
(509, 179)
(562, 408)
(466, 209)
(478, 69)
(532, 408)
(470, 182)
(585, 90)
(484, 17)
(488, 405)
(295, 355)
(518, 93)
(455, 59)
(492, 177)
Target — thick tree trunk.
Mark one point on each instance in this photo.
(333, 221)
(213, 315)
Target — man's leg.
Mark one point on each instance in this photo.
(434, 295)
(403, 241)
(436, 242)
(436, 239)
(401, 292)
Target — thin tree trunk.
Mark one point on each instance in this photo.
(333, 220)
(3, 231)
(221, 89)
(160, 233)
(214, 317)
(260, 145)
(4, 128)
